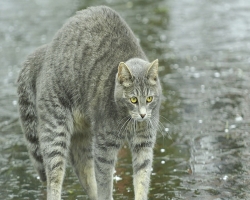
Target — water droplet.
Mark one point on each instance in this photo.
(166, 129)
(200, 121)
(163, 162)
(238, 118)
(162, 150)
(232, 126)
(225, 178)
(117, 178)
(217, 74)
(226, 130)
(196, 75)
(14, 102)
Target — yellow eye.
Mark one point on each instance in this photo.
(133, 100)
(149, 99)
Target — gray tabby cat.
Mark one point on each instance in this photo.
(82, 95)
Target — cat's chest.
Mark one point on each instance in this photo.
(80, 121)
(139, 127)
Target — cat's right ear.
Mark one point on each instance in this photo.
(124, 75)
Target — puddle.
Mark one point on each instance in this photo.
(202, 151)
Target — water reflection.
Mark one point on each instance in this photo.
(203, 46)
(212, 78)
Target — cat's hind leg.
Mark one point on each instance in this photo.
(82, 159)
(28, 119)
(55, 130)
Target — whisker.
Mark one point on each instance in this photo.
(124, 126)
(161, 116)
(119, 122)
(164, 128)
(153, 124)
(158, 125)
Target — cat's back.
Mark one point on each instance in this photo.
(93, 32)
(100, 18)
(93, 24)
(90, 46)
(84, 54)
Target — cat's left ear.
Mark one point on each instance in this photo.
(152, 73)
(124, 75)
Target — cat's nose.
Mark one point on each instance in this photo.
(143, 115)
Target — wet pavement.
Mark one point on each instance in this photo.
(202, 151)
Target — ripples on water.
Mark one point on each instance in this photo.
(203, 47)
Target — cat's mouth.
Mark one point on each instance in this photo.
(140, 117)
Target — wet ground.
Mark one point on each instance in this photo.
(204, 50)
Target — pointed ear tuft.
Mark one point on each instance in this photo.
(124, 75)
(152, 73)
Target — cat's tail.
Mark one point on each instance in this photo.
(27, 107)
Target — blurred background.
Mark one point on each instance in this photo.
(203, 146)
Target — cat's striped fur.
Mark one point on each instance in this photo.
(75, 103)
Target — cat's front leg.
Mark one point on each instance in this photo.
(142, 153)
(106, 149)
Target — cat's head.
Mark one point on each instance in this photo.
(138, 88)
